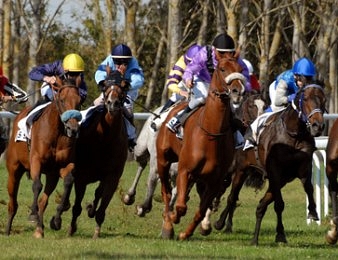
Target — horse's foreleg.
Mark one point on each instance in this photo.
(80, 189)
(332, 234)
(228, 212)
(51, 182)
(279, 208)
(146, 206)
(308, 187)
(91, 208)
(36, 188)
(13, 183)
(206, 193)
(260, 212)
(167, 226)
(182, 184)
(129, 198)
(64, 205)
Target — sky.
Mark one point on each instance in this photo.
(68, 8)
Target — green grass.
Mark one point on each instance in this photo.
(126, 236)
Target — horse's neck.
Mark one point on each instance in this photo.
(216, 115)
(115, 120)
(292, 122)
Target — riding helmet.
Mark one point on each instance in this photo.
(73, 63)
(224, 43)
(191, 52)
(304, 67)
(249, 65)
(121, 51)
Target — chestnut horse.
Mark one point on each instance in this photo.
(206, 151)
(101, 152)
(331, 173)
(284, 152)
(50, 150)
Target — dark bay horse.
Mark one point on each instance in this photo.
(204, 154)
(101, 153)
(50, 150)
(331, 173)
(284, 153)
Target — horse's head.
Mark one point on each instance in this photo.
(310, 105)
(115, 91)
(67, 101)
(228, 71)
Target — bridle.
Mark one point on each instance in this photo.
(300, 108)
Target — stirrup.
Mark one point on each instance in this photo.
(173, 124)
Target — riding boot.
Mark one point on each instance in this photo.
(167, 105)
(175, 122)
(249, 139)
(239, 139)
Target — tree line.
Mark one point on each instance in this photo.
(270, 34)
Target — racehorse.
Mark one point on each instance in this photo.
(49, 150)
(144, 151)
(245, 107)
(284, 152)
(331, 173)
(101, 152)
(249, 109)
(204, 154)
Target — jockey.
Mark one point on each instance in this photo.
(10, 91)
(174, 82)
(198, 74)
(255, 86)
(71, 66)
(121, 59)
(282, 92)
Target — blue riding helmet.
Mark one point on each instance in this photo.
(121, 51)
(304, 67)
(191, 52)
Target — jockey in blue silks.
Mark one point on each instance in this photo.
(121, 59)
(282, 92)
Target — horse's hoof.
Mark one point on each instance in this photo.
(218, 225)
(128, 199)
(228, 229)
(55, 223)
(140, 211)
(182, 236)
(167, 231)
(38, 233)
(90, 211)
(313, 216)
(205, 232)
(280, 238)
(33, 218)
(72, 230)
(332, 240)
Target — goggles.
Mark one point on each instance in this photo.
(120, 61)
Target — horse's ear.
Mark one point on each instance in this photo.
(108, 70)
(237, 52)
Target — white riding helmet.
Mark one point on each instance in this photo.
(249, 65)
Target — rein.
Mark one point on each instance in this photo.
(225, 94)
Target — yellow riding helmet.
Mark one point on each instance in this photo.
(73, 62)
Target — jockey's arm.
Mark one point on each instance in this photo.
(281, 97)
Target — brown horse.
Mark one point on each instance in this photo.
(331, 173)
(204, 154)
(284, 153)
(50, 150)
(101, 152)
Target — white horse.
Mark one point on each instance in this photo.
(144, 151)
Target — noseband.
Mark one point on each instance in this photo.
(226, 82)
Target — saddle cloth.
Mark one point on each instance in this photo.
(24, 131)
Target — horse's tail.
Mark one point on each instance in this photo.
(256, 178)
